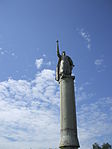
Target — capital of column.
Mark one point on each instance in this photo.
(66, 77)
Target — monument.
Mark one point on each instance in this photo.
(69, 139)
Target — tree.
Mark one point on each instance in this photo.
(106, 146)
(96, 146)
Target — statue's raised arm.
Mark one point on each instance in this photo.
(58, 53)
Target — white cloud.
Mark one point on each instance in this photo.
(86, 36)
(29, 111)
(98, 62)
(49, 63)
(95, 123)
(100, 66)
(13, 54)
(44, 55)
(2, 53)
(82, 92)
(39, 62)
(7, 52)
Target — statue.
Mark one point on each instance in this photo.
(64, 66)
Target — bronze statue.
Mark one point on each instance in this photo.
(64, 66)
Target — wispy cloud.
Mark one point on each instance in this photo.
(49, 63)
(100, 66)
(42, 62)
(7, 52)
(98, 62)
(86, 36)
(39, 62)
(44, 55)
(94, 122)
(82, 92)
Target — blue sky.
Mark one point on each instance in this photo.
(29, 94)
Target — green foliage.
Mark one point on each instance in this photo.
(96, 146)
(104, 146)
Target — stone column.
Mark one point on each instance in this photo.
(69, 139)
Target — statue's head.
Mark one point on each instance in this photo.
(63, 53)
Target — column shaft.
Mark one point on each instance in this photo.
(69, 138)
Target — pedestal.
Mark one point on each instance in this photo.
(69, 139)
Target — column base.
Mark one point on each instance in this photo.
(69, 147)
(69, 138)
